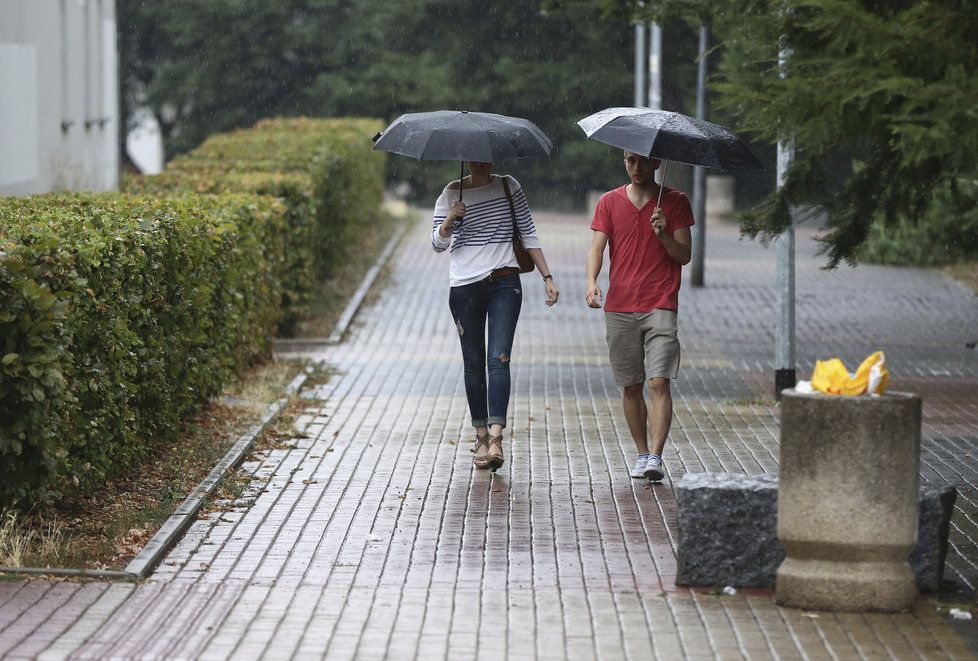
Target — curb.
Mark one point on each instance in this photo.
(106, 574)
(361, 293)
(286, 346)
(174, 527)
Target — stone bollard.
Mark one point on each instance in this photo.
(847, 501)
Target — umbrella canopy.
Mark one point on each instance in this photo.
(669, 136)
(459, 135)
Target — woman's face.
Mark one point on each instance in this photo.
(480, 169)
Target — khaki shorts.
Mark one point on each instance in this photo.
(642, 345)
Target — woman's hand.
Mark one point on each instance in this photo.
(552, 292)
(457, 211)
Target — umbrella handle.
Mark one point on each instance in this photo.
(665, 166)
(461, 175)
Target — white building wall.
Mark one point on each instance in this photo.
(58, 96)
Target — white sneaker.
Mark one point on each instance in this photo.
(638, 472)
(654, 469)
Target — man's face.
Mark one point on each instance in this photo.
(641, 170)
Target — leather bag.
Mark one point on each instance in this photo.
(522, 254)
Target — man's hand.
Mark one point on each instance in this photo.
(658, 222)
(593, 297)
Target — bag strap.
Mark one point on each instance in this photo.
(512, 208)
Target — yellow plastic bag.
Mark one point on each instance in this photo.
(832, 378)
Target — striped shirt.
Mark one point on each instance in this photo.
(483, 240)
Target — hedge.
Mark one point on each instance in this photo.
(298, 268)
(119, 315)
(325, 171)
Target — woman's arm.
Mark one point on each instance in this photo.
(536, 254)
(445, 214)
(457, 211)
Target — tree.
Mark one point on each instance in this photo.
(210, 65)
(879, 96)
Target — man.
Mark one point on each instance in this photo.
(648, 247)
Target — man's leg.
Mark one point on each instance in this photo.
(662, 353)
(660, 413)
(626, 352)
(636, 414)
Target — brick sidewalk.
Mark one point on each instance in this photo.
(374, 537)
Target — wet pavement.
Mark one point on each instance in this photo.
(373, 536)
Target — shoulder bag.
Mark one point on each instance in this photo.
(522, 255)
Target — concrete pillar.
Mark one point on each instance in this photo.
(720, 193)
(848, 501)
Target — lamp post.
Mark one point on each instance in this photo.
(655, 67)
(640, 29)
(699, 175)
(784, 353)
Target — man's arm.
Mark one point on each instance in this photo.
(679, 244)
(595, 255)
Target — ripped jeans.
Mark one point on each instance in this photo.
(471, 305)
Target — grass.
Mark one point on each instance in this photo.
(371, 239)
(965, 272)
(105, 527)
(23, 545)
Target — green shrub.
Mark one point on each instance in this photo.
(298, 269)
(119, 315)
(347, 174)
(325, 170)
(947, 233)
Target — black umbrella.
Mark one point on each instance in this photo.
(669, 136)
(459, 135)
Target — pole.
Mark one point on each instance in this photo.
(640, 61)
(784, 354)
(461, 176)
(658, 200)
(655, 67)
(699, 175)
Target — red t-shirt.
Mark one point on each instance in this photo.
(643, 276)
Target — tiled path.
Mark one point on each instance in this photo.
(374, 537)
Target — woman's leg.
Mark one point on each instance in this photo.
(468, 306)
(505, 301)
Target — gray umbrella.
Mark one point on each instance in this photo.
(459, 135)
(669, 136)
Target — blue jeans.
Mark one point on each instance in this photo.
(500, 302)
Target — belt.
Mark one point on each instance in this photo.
(501, 273)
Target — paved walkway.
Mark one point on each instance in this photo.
(374, 537)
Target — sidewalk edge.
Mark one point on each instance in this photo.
(174, 527)
(353, 306)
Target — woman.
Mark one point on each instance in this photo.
(485, 285)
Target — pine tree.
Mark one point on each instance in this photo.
(879, 96)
